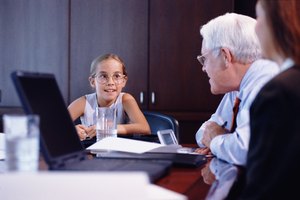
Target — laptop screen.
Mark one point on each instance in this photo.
(40, 94)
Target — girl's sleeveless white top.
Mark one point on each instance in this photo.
(89, 116)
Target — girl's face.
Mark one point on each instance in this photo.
(263, 32)
(108, 82)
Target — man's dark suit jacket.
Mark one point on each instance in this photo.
(273, 164)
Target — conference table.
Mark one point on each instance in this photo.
(185, 180)
(212, 180)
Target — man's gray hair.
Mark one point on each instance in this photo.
(235, 32)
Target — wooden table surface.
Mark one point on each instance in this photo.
(187, 181)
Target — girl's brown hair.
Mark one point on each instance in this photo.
(99, 59)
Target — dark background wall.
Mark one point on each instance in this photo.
(158, 39)
(246, 7)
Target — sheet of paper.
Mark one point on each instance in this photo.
(73, 185)
(123, 144)
(155, 192)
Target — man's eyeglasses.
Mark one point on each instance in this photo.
(202, 58)
(103, 78)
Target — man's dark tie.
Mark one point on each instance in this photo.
(235, 112)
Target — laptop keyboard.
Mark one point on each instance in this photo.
(95, 165)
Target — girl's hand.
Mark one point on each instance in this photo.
(81, 131)
(90, 131)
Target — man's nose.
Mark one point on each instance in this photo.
(203, 68)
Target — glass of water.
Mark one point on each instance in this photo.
(106, 123)
(22, 135)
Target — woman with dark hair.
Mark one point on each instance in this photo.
(274, 151)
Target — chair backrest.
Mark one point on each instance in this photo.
(158, 121)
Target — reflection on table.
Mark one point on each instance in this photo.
(222, 177)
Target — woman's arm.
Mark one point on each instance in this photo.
(138, 123)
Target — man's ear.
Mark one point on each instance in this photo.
(92, 82)
(226, 54)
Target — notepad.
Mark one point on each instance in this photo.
(124, 145)
(123, 148)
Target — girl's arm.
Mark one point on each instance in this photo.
(76, 109)
(138, 123)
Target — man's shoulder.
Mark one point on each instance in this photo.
(261, 66)
(260, 72)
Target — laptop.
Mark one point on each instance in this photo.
(168, 150)
(60, 145)
(178, 159)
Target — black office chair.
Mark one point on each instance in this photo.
(159, 121)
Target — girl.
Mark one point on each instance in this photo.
(108, 77)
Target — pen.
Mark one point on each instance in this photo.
(224, 124)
